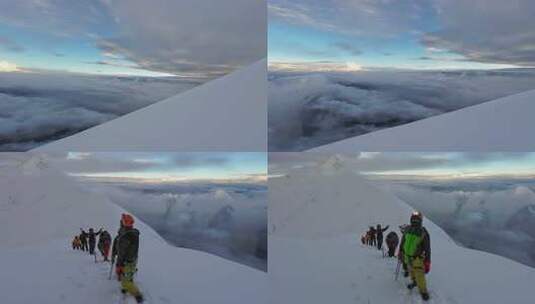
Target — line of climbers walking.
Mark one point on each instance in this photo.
(86, 241)
(414, 252)
(124, 252)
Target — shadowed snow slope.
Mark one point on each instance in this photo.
(226, 114)
(316, 217)
(505, 124)
(41, 209)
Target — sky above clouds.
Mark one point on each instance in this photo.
(449, 165)
(367, 34)
(419, 165)
(185, 38)
(165, 167)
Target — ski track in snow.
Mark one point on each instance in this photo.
(80, 281)
(93, 280)
(100, 271)
(365, 277)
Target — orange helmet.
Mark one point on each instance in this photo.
(127, 220)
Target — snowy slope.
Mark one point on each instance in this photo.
(41, 209)
(226, 114)
(505, 124)
(316, 217)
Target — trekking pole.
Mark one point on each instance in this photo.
(111, 267)
(396, 276)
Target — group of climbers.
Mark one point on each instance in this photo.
(86, 241)
(414, 252)
(80, 242)
(124, 252)
(374, 236)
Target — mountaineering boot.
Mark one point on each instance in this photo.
(411, 285)
(139, 298)
(425, 296)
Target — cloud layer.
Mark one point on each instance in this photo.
(229, 220)
(38, 108)
(310, 109)
(496, 216)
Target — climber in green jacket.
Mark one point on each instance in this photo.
(415, 250)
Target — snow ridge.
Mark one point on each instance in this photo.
(41, 209)
(316, 221)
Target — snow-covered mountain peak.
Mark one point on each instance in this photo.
(333, 163)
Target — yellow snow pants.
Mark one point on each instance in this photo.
(416, 269)
(127, 279)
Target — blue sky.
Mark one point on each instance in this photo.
(33, 49)
(135, 37)
(295, 42)
(410, 34)
(168, 167)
